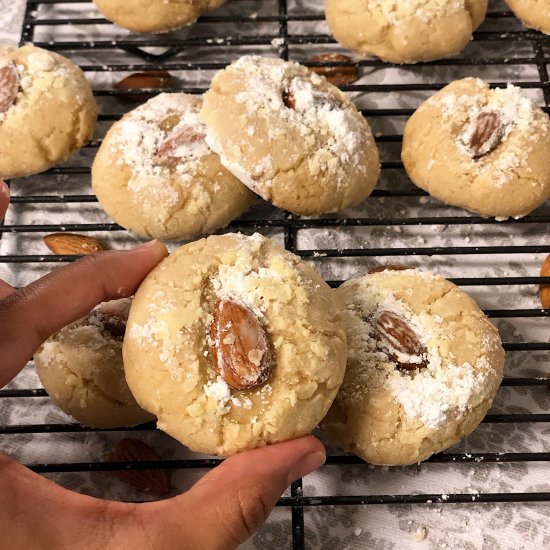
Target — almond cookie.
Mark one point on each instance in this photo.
(292, 137)
(424, 366)
(533, 13)
(81, 369)
(481, 149)
(154, 15)
(234, 343)
(47, 110)
(405, 31)
(155, 175)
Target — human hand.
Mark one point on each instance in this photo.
(221, 511)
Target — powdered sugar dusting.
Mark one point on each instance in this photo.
(394, 11)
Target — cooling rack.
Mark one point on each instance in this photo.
(497, 262)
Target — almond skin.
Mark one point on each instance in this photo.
(149, 80)
(9, 86)
(398, 338)
(288, 100)
(109, 321)
(487, 133)
(147, 481)
(69, 244)
(545, 289)
(389, 267)
(240, 347)
(339, 76)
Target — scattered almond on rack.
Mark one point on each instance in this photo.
(155, 482)
(545, 289)
(339, 76)
(146, 81)
(71, 243)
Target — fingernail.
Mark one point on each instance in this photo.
(149, 244)
(307, 464)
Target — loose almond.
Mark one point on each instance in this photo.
(240, 348)
(389, 267)
(484, 133)
(69, 243)
(339, 76)
(399, 341)
(150, 80)
(9, 86)
(184, 136)
(545, 289)
(146, 481)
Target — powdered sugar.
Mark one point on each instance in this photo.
(394, 11)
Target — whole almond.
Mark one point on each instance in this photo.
(484, 133)
(545, 289)
(398, 339)
(9, 85)
(339, 76)
(240, 348)
(184, 136)
(69, 244)
(146, 481)
(150, 80)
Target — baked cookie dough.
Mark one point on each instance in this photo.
(81, 369)
(533, 13)
(234, 343)
(155, 175)
(47, 110)
(481, 149)
(424, 366)
(405, 32)
(155, 15)
(292, 137)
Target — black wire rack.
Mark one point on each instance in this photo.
(187, 51)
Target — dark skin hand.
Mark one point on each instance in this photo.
(221, 511)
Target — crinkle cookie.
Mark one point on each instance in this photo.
(155, 15)
(424, 366)
(533, 13)
(481, 149)
(81, 369)
(47, 110)
(292, 137)
(155, 175)
(405, 31)
(234, 343)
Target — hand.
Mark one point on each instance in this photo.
(221, 511)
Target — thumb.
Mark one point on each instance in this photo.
(232, 501)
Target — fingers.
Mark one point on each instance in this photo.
(232, 501)
(30, 315)
(5, 289)
(4, 198)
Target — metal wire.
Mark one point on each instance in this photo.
(290, 224)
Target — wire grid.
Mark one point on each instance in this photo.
(290, 43)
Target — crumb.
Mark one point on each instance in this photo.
(420, 534)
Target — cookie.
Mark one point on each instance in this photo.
(234, 343)
(47, 110)
(533, 13)
(155, 175)
(81, 369)
(292, 137)
(481, 149)
(154, 16)
(405, 32)
(424, 366)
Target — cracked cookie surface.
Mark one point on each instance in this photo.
(168, 348)
(482, 149)
(405, 31)
(292, 137)
(52, 115)
(399, 404)
(81, 369)
(153, 15)
(155, 175)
